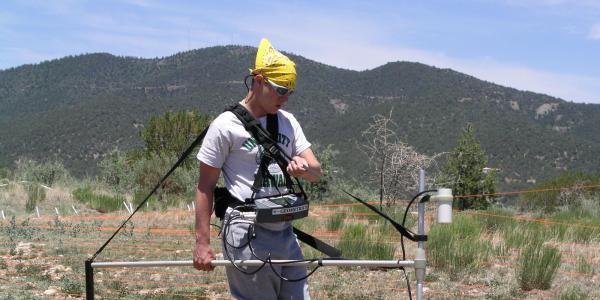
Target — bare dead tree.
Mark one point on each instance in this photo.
(395, 163)
(377, 139)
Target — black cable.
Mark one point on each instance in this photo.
(402, 237)
(226, 243)
(407, 283)
(400, 228)
(404, 218)
(226, 227)
(271, 263)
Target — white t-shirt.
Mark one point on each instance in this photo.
(229, 147)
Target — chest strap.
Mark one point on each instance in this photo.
(268, 140)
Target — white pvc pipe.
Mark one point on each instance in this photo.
(256, 263)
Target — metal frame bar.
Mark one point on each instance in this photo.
(256, 263)
(89, 266)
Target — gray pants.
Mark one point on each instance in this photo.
(265, 284)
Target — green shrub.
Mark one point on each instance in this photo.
(357, 243)
(35, 195)
(550, 201)
(72, 287)
(458, 247)
(149, 170)
(584, 267)
(97, 201)
(5, 172)
(116, 171)
(537, 267)
(335, 221)
(46, 173)
(573, 294)
(579, 225)
(496, 219)
(307, 224)
(525, 233)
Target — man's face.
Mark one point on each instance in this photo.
(272, 99)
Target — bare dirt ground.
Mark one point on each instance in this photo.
(44, 258)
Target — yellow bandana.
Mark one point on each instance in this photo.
(275, 66)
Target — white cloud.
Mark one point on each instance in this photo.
(356, 45)
(595, 32)
(569, 87)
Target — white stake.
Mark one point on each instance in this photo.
(3, 216)
(126, 207)
(194, 205)
(37, 211)
(131, 207)
(56, 210)
(189, 209)
(73, 207)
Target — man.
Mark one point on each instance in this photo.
(230, 149)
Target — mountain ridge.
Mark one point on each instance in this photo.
(78, 108)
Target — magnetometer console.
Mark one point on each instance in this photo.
(281, 208)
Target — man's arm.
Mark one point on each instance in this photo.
(305, 166)
(207, 181)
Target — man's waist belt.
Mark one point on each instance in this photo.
(268, 209)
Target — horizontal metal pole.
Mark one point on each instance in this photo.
(255, 263)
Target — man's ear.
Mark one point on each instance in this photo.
(258, 80)
(259, 77)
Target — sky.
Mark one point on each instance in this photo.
(545, 46)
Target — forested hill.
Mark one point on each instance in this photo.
(77, 108)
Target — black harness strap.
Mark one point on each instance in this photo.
(317, 244)
(268, 140)
(273, 126)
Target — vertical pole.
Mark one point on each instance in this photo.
(3, 216)
(420, 262)
(89, 280)
(37, 211)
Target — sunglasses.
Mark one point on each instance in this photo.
(280, 90)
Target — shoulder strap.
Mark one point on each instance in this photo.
(273, 126)
(268, 140)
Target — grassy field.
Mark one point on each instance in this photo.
(493, 254)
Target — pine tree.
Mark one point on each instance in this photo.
(171, 133)
(465, 171)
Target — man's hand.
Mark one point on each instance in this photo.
(305, 166)
(203, 255)
(297, 166)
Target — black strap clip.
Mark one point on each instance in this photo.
(420, 238)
